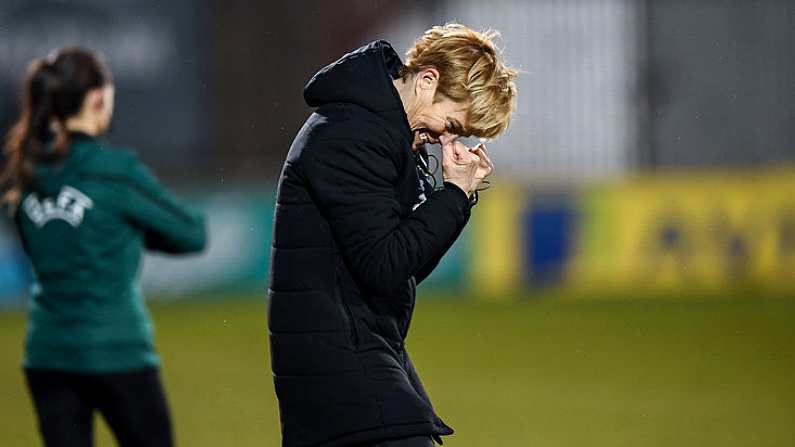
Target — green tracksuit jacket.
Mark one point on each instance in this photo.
(84, 224)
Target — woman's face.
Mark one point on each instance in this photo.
(443, 117)
(435, 115)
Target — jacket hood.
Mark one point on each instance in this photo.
(363, 77)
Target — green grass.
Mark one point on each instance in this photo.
(534, 373)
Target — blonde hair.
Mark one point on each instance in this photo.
(470, 70)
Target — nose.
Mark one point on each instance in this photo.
(447, 137)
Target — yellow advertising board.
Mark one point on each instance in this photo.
(687, 232)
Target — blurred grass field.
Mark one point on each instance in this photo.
(533, 373)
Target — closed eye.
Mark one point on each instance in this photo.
(455, 127)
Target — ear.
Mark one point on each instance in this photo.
(426, 81)
(94, 100)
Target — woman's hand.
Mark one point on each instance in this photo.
(486, 167)
(463, 166)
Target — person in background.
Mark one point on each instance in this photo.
(85, 211)
(359, 224)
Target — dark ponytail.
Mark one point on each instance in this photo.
(53, 91)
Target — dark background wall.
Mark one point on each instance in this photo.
(207, 87)
(157, 52)
(720, 82)
(266, 52)
(209, 91)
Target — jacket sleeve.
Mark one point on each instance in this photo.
(354, 185)
(168, 226)
(429, 267)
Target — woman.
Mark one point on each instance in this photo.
(84, 212)
(359, 225)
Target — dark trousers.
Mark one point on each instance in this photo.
(414, 441)
(132, 403)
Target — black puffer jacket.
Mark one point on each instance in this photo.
(350, 244)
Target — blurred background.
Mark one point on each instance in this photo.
(628, 279)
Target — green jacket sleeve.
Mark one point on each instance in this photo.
(168, 226)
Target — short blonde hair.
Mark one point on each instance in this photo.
(470, 70)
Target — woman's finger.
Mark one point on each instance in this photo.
(486, 162)
(448, 150)
(463, 154)
(483, 153)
